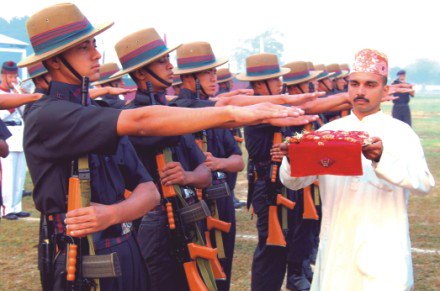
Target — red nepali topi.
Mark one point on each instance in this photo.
(327, 153)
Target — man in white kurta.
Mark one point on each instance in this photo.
(364, 240)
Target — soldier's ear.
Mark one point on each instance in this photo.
(53, 63)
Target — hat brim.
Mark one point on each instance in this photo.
(313, 75)
(226, 80)
(244, 77)
(33, 58)
(37, 75)
(200, 69)
(105, 81)
(142, 64)
(329, 75)
(342, 75)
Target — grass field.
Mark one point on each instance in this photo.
(18, 240)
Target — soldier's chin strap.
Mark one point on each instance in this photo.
(199, 87)
(322, 82)
(300, 89)
(267, 87)
(70, 68)
(45, 80)
(168, 84)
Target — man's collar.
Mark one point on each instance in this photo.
(65, 91)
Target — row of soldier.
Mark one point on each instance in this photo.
(159, 172)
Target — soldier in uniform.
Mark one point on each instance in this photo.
(401, 108)
(269, 262)
(225, 83)
(66, 125)
(152, 73)
(14, 165)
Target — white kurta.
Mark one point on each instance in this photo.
(364, 240)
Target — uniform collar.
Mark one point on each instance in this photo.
(187, 94)
(66, 92)
(142, 98)
(41, 91)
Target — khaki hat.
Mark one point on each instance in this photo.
(224, 75)
(324, 73)
(105, 73)
(345, 68)
(56, 29)
(176, 80)
(262, 67)
(196, 57)
(35, 70)
(140, 49)
(299, 73)
(336, 69)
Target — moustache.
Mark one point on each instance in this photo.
(361, 98)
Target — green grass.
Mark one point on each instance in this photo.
(18, 240)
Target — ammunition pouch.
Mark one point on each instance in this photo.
(194, 213)
(219, 188)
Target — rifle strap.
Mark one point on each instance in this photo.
(203, 265)
(316, 197)
(284, 218)
(86, 196)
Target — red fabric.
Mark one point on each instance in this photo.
(327, 153)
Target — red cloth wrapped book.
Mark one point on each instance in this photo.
(327, 153)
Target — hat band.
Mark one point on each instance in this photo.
(263, 70)
(195, 62)
(36, 70)
(296, 76)
(60, 36)
(223, 77)
(323, 74)
(9, 70)
(143, 53)
(104, 76)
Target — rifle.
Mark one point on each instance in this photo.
(275, 234)
(186, 237)
(46, 250)
(79, 267)
(309, 205)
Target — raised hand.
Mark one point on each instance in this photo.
(300, 99)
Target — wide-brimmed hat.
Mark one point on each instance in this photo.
(262, 67)
(140, 49)
(35, 70)
(56, 29)
(196, 57)
(324, 73)
(345, 68)
(176, 80)
(224, 75)
(336, 69)
(299, 73)
(105, 73)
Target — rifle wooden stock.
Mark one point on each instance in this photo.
(72, 252)
(285, 202)
(193, 278)
(213, 223)
(275, 235)
(204, 252)
(170, 214)
(216, 267)
(309, 205)
(73, 202)
(167, 191)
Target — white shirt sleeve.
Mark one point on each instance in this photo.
(404, 164)
(293, 183)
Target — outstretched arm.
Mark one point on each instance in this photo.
(244, 100)
(165, 120)
(13, 100)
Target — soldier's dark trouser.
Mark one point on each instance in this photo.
(269, 262)
(134, 274)
(402, 112)
(166, 273)
(226, 212)
(301, 236)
